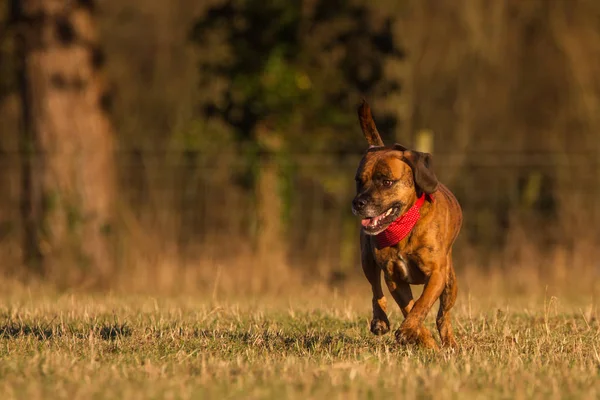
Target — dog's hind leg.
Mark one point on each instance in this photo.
(402, 294)
(447, 300)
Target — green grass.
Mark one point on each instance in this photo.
(311, 346)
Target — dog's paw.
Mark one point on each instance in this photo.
(446, 335)
(380, 327)
(408, 334)
(449, 342)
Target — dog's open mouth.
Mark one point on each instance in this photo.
(377, 224)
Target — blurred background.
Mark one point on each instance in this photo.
(170, 145)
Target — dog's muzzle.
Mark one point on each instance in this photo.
(358, 205)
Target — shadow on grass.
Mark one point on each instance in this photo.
(274, 341)
(114, 331)
(15, 330)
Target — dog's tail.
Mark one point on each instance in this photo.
(368, 125)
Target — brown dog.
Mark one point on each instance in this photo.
(410, 222)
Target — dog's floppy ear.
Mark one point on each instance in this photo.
(424, 176)
(399, 147)
(368, 125)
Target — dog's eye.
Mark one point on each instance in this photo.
(387, 183)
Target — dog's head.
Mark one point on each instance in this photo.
(389, 179)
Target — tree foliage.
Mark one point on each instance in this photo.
(299, 67)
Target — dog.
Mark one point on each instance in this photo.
(409, 224)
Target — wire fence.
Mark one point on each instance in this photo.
(198, 200)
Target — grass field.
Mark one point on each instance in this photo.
(312, 345)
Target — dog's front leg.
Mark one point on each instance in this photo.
(410, 331)
(380, 324)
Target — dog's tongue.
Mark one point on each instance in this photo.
(366, 221)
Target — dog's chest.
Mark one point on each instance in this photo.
(396, 265)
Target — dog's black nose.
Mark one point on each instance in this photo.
(359, 203)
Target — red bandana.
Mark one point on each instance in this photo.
(402, 226)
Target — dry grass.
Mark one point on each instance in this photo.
(315, 344)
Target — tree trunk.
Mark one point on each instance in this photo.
(68, 169)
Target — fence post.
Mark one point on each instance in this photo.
(424, 141)
(271, 243)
